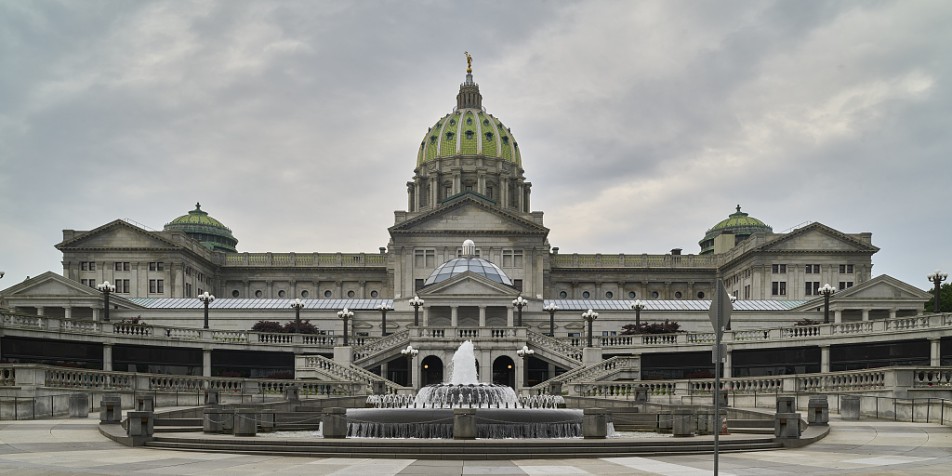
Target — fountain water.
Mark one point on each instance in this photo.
(499, 414)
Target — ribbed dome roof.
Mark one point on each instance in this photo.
(469, 131)
(210, 232)
(739, 224)
(468, 263)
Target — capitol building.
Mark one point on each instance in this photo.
(468, 258)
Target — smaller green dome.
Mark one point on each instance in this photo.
(739, 224)
(210, 232)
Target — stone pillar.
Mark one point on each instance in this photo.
(107, 357)
(838, 316)
(211, 397)
(425, 317)
(110, 408)
(212, 419)
(454, 316)
(824, 358)
(96, 314)
(865, 315)
(510, 321)
(818, 410)
(786, 404)
(682, 422)
(78, 405)
(935, 352)
(246, 422)
(464, 423)
(664, 422)
(727, 368)
(706, 421)
(591, 355)
(335, 422)
(140, 424)
(68, 312)
(343, 355)
(595, 423)
(206, 362)
(787, 425)
(520, 373)
(892, 313)
(849, 407)
(145, 403)
(482, 316)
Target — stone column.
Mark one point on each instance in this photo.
(865, 315)
(107, 357)
(892, 313)
(95, 314)
(425, 317)
(68, 312)
(40, 311)
(838, 316)
(520, 373)
(482, 316)
(935, 352)
(824, 358)
(454, 316)
(728, 364)
(206, 363)
(509, 318)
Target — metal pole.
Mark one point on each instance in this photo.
(383, 322)
(938, 289)
(717, 396)
(206, 312)
(551, 323)
(638, 318)
(589, 333)
(416, 315)
(826, 308)
(345, 332)
(105, 296)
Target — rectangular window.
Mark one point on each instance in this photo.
(778, 268)
(812, 288)
(812, 269)
(517, 283)
(157, 286)
(88, 282)
(84, 266)
(156, 266)
(418, 284)
(846, 269)
(609, 333)
(122, 286)
(845, 285)
(778, 288)
(200, 291)
(188, 290)
(122, 266)
(747, 291)
(511, 258)
(424, 258)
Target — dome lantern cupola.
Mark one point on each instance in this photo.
(468, 262)
(730, 231)
(211, 233)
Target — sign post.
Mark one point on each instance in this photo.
(720, 314)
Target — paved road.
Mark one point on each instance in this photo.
(59, 447)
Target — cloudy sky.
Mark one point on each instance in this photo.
(641, 124)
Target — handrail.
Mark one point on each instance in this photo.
(369, 350)
(565, 349)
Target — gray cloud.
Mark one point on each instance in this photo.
(641, 123)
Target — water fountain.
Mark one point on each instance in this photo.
(499, 412)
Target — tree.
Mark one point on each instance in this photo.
(945, 299)
(666, 327)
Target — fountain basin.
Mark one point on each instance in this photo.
(491, 423)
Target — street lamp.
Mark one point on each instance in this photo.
(589, 316)
(383, 308)
(206, 299)
(637, 306)
(297, 305)
(936, 278)
(525, 352)
(519, 303)
(551, 308)
(826, 290)
(345, 314)
(416, 302)
(105, 288)
(409, 353)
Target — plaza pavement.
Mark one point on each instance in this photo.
(74, 446)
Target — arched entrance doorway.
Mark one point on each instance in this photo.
(504, 371)
(431, 371)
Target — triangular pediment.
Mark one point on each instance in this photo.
(469, 284)
(49, 284)
(466, 215)
(817, 236)
(879, 289)
(117, 234)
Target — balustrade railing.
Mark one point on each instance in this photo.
(349, 373)
(558, 346)
(384, 344)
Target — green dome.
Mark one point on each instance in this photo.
(207, 230)
(469, 131)
(740, 224)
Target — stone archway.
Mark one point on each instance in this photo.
(504, 371)
(431, 371)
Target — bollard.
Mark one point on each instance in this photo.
(664, 422)
(110, 408)
(682, 422)
(246, 422)
(786, 404)
(818, 411)
(145, 403)
(849, 407)
(787, 425)
(78, 405)
(595, 423)
(140, 423)
(211, 397)
(705, 422)
(335, 422)
(641, 394)
(266, 422)
(464, 423)
(227, 414)
(212, 419)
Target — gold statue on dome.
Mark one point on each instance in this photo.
(469, 62)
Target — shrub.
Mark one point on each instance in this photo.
(304, 327)
(272, 327)
(806, 322)
(666, 327)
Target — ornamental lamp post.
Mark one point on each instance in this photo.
(106, 289)
(936, 278)
(551, 308)
(589, 316)
(206, 299)
(524, 353)
(383, 308)
(519, 303)
(826, 290)
(409, 353)
(637, 306)
(345, 314)
(297, 305)
(416, 302)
